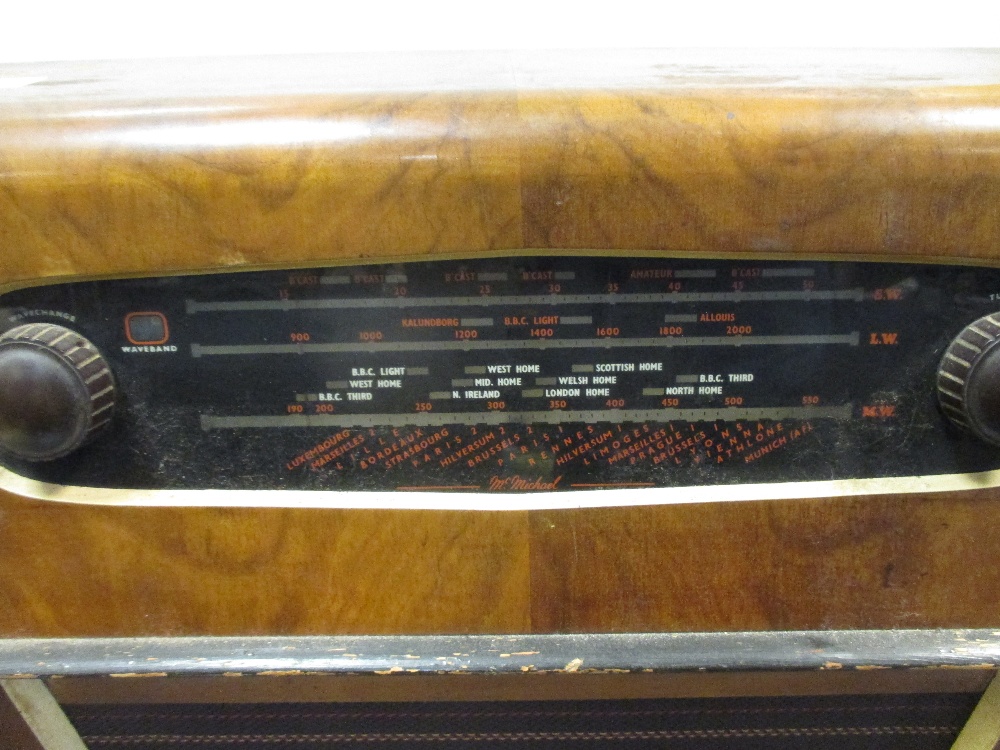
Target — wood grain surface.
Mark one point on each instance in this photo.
(102, 177)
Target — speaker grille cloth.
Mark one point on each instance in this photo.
(913, 722)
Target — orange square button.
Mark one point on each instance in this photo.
(146, 328)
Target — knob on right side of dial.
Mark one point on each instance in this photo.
(968, 380)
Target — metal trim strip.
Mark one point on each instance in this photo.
(502, 654)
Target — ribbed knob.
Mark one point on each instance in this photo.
(968, 382)
(56, 391)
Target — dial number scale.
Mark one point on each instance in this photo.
(521, 374)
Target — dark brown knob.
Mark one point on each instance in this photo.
(56, 391)
(968, 382)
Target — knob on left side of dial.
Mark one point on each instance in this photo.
(56, 391)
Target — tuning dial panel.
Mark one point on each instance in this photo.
(522, 374)
(56, 391)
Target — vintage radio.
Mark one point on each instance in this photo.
(635, 375)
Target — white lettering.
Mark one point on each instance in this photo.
(680, 390)
(620, 367)
(148, 349)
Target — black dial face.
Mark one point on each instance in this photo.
(521, 374)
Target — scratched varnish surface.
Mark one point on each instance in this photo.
(150, 169)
